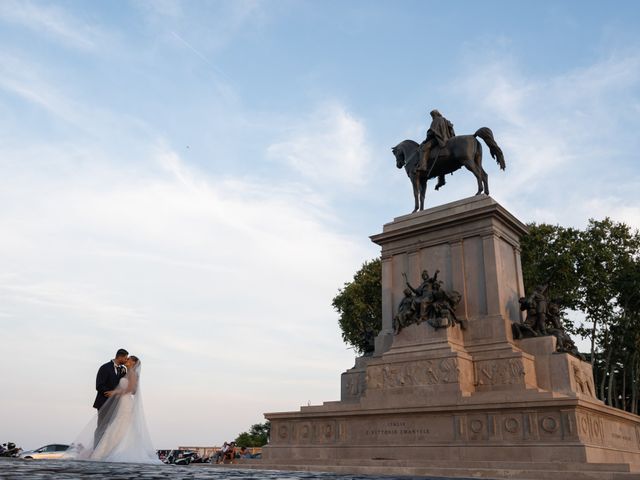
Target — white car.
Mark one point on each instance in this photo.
(48, 452)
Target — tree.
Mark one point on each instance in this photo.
(605, 246)
(628, 285)
(549, 257)
(594, 271)
(257, 436)
(605, 267)
(359, 304)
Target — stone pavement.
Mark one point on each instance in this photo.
(17, 469)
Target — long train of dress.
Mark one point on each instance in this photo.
(125, 437)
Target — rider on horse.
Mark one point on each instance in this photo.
(440, 131)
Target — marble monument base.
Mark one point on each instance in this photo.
(456, 402)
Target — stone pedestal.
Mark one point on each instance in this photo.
(458, 395)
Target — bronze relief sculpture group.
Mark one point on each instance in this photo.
(543, 318)
(428, 302)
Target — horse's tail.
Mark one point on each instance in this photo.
(486, 134)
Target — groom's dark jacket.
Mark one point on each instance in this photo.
(106, 379)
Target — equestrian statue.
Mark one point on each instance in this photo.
(445, 152)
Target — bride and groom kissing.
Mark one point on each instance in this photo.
(120, 433)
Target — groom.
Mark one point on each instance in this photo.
(107, 380)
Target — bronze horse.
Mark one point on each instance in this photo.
(460, 151)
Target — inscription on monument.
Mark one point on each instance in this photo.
(624, 438)
(397, 428)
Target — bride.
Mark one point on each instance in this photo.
(125, 437)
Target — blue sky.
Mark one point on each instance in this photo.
(195, 180)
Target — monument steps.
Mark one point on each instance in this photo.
(505, 465)
(486, 470)
(476, 400)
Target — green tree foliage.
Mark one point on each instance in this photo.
(359, 304)
(609, 249)
(548, 256)
(257, 436)
(605, 247)
(595, 271)
(628, 286)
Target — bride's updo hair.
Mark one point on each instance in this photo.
(134, 358)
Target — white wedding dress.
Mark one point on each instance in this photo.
(126, 437)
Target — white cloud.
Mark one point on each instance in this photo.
(328, 145)
(568, 158)
(204, 28)
(35, 84)
(53, 21)
(205, 278)
(113, 244)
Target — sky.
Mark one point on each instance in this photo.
(194, 181)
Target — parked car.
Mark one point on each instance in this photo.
(48, 452)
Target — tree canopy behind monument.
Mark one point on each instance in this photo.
(549, 257)
(359, 304)
(257, 436)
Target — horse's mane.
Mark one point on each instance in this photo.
(406, 147)
(407, 143)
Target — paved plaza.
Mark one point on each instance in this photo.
(17, 469)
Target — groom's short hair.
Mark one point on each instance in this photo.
(121, 353)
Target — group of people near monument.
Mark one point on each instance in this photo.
(229, 452)
(226, 452)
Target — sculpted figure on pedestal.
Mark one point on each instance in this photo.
(544, 317)
(538, 300)
(443, 152)
(438, 134)
(440, 312)
(407, 311)
(428, 302)
(536, 306)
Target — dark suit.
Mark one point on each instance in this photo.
(106, 379)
